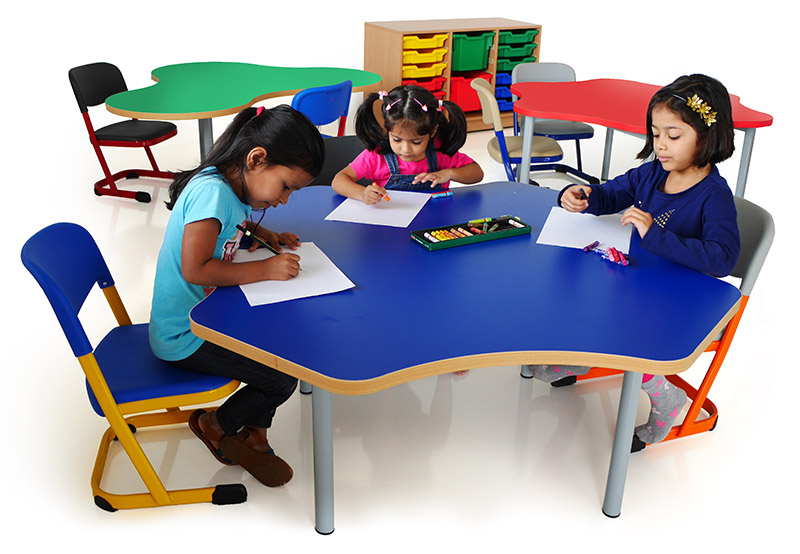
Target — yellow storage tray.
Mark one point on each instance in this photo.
(415, 71)
(424, 56)
(411, 42)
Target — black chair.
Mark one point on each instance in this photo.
(339, 152)
(92, 84)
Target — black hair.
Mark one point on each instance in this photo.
(287, 135)
(714, 141)
(417, 105)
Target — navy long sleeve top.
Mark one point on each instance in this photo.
(696, 227)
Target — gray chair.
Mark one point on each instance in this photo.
(553, 128)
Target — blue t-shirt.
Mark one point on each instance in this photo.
(696, 228)
(207, 196)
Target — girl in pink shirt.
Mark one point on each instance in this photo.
(414, 146)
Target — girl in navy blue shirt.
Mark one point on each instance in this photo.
(679, 204)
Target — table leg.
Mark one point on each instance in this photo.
(621, 451)
(607, 154)
(206, 137)
(322, 414)
(524, 169)
(744, 163)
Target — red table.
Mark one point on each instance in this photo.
(615, 104)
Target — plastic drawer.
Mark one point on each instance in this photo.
(502, 79)
(433, 85)
(463, 94)
(516, 51)
(505, 105)
(502, 92)
(415, 71)
(517, 36)
(423, 56)
(471, 51)
(414, 41)
(510, 64)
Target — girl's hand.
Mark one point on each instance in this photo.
(275, 239)
(281, 267)
(435, 178)
(572, 201)
(639, 219)
(372, 194)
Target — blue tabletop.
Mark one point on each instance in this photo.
(415, 313)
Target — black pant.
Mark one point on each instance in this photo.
(252, 405)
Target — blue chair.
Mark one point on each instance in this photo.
(123, 376)
(508, 150)
(553, 128)
(323, 105)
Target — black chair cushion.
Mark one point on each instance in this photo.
(133, 130)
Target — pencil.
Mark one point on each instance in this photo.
(258, 239)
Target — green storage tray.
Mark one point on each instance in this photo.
(520, 36)
(507, 226)
(509, 65)
(506, 51)
(471, 51)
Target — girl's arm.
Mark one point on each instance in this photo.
(466, 174)
(199, 267)
(345, 183)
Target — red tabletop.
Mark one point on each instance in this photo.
(614, 103)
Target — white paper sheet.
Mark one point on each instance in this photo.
(400, 211)
(319, 276)
(576, 230)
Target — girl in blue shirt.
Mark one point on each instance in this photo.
(679, 204)
(260, 159)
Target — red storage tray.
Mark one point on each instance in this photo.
(463, 94)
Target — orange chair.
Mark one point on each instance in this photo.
(756, 231)
(92, 84)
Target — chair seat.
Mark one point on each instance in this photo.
(543, 147)
(564, 130)
(134, 373)
(134, 130)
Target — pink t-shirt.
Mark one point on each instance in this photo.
(371, 165)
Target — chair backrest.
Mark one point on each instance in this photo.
(66, 262)
(323, 105)
(756, 231)
(542, 72)
(489, 107)
(339, 152)
(94, 82)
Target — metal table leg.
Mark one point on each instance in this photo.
(206, 137)
(621, 452)
(322, 413)
(744, 163)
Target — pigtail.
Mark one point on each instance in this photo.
(369, 129)
(452, 128)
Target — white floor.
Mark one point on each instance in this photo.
(487, 460)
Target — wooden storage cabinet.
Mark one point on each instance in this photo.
(445, 55)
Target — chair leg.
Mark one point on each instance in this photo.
(578, 154)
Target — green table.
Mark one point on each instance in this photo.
(203, 90)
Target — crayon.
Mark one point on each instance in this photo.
(431, 238)
(583, 194)
(515, 223)
(494, 227)
(442, 194)
(591, 246)
(476, 221)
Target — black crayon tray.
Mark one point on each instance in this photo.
(448, 236)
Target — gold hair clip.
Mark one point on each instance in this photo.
(698, 105)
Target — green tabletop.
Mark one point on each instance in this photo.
(204, 90)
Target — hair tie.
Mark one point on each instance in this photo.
(440, 106)
(422, 106)
(259, 110)
(381, 94)
(389, 106)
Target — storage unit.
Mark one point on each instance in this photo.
(445, 55)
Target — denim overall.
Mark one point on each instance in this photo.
(397, 181)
